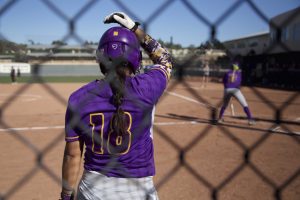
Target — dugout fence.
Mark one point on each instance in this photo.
(282, 79)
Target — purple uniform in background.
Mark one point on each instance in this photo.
(232, 83)
(232, 79)
(91, 108)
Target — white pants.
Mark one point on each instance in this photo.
(96, 186)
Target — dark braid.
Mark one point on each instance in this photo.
(116, 77)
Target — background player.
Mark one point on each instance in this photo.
(232, 83)
(13, 75)
(205, 77)
(114, 117)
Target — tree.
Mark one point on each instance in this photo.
(169, 45)
(7, 47)
(161, 42)
(214, 44)
(218, 45)
(59, 43)
(30, 41)
(90, 43)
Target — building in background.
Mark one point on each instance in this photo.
(283, 36)
(253, 44)
(285, 32)
(64, 53)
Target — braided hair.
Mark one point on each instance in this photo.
(116, 76)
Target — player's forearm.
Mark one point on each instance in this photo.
(156, 52)
(70, 170)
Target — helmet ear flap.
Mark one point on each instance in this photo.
(104, 61)
(102, 68)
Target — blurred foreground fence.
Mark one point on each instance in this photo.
(279, 70)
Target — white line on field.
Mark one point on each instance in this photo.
(286, 132)
(275, 129)
(175, 123)
(190, 99)
(31, 128)
(62, 127)
(22, 97)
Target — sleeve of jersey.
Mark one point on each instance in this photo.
(72, 132)
(159, 55)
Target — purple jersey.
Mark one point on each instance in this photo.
(90, 110)
(232, 79)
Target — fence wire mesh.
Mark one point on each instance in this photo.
(288, 182)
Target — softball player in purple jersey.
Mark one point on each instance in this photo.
(113, 118)
(232, 82)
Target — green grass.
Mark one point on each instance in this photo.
(50, 79)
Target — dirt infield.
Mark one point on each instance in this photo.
(195, 159)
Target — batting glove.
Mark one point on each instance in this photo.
(64, 196)
(122, 19)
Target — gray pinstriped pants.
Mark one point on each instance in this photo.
(229, 92)
(96, 186)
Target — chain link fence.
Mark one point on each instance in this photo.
(179, 79)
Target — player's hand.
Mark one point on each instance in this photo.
(122, 19)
